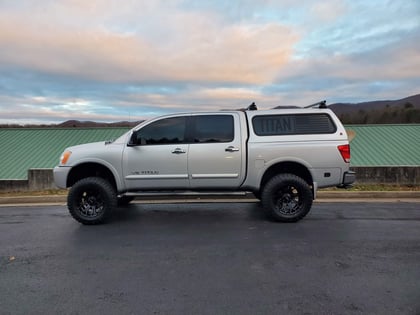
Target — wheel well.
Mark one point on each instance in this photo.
(90, 170)
(290, 168)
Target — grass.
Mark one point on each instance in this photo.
(34, 193)
(380, 187)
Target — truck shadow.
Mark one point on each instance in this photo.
(210, 212)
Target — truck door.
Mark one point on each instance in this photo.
(157, 156)
(215, 158)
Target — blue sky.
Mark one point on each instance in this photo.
(109, 60)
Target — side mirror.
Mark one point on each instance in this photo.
(133, 140)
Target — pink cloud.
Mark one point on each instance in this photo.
(199, 47)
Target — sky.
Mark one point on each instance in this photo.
(112, 60)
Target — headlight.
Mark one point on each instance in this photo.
(64, 157)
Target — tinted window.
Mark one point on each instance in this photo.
(298, 124)
(164, 131)
(213, 128)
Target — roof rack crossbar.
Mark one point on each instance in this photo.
(322, 104)
(252, 106)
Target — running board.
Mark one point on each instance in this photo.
(185, 193)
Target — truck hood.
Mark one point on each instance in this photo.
(87, 147)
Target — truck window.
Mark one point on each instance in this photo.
(164, 131)
(213, 128)
(296, 124)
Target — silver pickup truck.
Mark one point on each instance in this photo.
(282, 156)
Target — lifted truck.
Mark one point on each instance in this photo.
(282, 156)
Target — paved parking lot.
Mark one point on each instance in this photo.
(223, 258)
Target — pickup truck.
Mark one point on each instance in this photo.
(282, 156)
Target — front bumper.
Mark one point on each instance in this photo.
(60, 176)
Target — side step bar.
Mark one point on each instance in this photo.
(185, 193)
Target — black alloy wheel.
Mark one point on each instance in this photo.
(91, 200)
(287, 198)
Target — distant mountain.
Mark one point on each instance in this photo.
(77, 124)
(403, 111)
(93, 124)
(346, 108)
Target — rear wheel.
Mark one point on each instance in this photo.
(91, 200)
(287, 198)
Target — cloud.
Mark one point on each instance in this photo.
(198, 47)
(387, 71)
(358, 26)
(327, 11)
(113, 60)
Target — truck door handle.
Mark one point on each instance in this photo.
(231, 149)
(178, 151)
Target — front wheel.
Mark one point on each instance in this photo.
(91, 200)
(287, 198)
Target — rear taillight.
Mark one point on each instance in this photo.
(345, 152)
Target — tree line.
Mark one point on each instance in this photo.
(406, 114)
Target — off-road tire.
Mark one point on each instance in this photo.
(286, 198)
(91, 200)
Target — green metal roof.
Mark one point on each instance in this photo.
(22, 149)
(385, 145)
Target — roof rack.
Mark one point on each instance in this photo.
(252, 106)
(322, 104)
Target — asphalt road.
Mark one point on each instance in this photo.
(226, 258)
